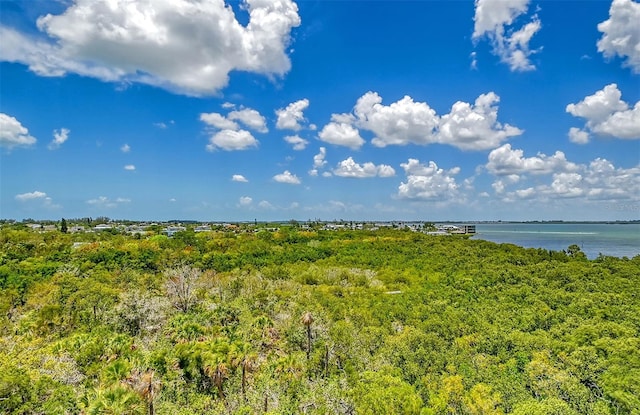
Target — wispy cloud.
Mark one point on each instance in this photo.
(59, 137)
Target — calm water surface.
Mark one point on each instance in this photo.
(593, 238)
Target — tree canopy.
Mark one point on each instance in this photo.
(308, 321)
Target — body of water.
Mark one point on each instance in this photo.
(593, 238)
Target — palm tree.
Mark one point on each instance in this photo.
(115, 400)
(218, 371)
(243, 357)
(146, 386)
(307, 320)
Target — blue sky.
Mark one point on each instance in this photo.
(354, 110)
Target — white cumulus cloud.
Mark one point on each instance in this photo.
(219, 121)
(495, 19)
(621, 33)
(606, 115)
(59, 138)
(578, 136)
(319, 161)
(230, 136)
(239, 178)
(504, 161)
(230, 140)
(245, 201)
(341, 132)
(291, 117)
(466, 126)
(286, 177)
(349, 168)
(130, 167)
(13, 133)
(46, 201)
(181, 45)
(297, 142)
(402, 122)
(428, 182)
(251, 118)
(475, 127)
(125, 148)
(24, 197)
(596, 181)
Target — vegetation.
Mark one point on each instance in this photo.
(314, 322)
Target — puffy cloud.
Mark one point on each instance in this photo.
(251, 118)
(232, 140)
(349, 168)
(603, 180)
(125, 148)
(105, 202)
(494, 19)
(341, 132)
(475, 127)
(297, 142)
(219, 121)
(606, 115)
(13, 134)
(59, 137)
(599, 106)
(565, 185)
(578, 136)
(498, 186)
(492, 15)
(24, 197)
(289, 118)
(402, 122)
(599, 180)
(130, 167)
(504, 161)
(466, 126)
(428, 182)
(622, 124)
(319, 161)
(184, 46)
(286, 177)
(621, 33)
(239, 178)
(36, 195)
(231, 137)
(245, 201)
(264, 204)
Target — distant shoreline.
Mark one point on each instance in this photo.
(291, 221)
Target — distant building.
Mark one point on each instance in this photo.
(172, 230)
(136, 229)
(457, 229)
(463, 229)
(102, 227)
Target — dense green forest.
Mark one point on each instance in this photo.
(302, 321)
